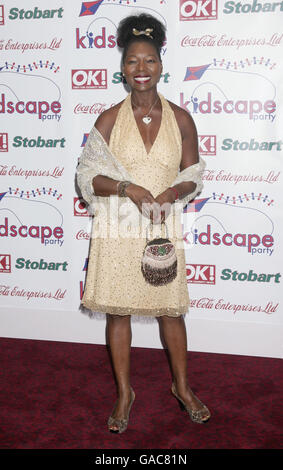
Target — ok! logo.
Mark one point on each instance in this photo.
(191, 10)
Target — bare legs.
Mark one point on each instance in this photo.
(175, 337)
(119, 339)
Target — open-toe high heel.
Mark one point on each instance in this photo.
(120, 424)
(197, 416)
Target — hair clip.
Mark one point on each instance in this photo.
(147, 32)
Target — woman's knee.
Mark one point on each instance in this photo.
(167, 320)
(118, 318)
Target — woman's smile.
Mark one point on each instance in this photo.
(142, 79)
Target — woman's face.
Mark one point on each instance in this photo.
(142, 67)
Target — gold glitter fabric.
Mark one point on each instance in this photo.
(114, 282)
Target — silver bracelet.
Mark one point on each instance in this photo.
(121, 188)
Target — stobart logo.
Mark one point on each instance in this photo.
(252, 145)
(43, 265)
(38, 142)
(230, 274)
(36, 14)
(254, 7)
(247, 92)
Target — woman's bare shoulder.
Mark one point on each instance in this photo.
(183, 118)
(105, 122)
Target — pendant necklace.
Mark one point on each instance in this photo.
(147, 119)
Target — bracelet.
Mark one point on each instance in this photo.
(176, 193)
(121, 188)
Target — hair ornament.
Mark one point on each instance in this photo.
(147, 32)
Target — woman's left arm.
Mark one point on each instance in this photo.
(190, 156)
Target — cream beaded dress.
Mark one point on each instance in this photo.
(114, 282)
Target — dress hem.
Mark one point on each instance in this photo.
(123, 311)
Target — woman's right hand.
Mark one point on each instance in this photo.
(141, 197)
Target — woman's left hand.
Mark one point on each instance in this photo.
(162, 206)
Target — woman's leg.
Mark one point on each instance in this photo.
(119, 335)
(175, 337)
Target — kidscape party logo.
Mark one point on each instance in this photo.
(229, 221)
(33, 215)
(242, 88)
(101, 31)
(30, 89)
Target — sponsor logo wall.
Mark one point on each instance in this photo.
(59, 70)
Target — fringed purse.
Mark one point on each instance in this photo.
(159, 261)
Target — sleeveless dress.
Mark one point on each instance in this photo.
(114, 282)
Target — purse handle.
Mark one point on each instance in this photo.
(150, 225)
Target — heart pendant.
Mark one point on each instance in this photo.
(147, 120)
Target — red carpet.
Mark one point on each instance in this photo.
(59, 395)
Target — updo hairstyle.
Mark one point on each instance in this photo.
(141, 22)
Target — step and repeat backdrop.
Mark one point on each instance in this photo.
(59, 69)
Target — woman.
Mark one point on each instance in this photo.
(144, 150)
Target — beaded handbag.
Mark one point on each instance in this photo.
(159, 260)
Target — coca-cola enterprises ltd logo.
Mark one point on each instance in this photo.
(15, 170)
(82, 235)
(25, 214)
(18, 292)
(237, 42)
(218, 224)
(22, 87)
(208, 303)
(89, 79)
(247, 93)
(195, 10)
(95, 108)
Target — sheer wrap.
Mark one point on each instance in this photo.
(97, 159)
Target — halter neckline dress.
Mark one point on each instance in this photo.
(114, 282)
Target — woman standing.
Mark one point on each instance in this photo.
(142, 152)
